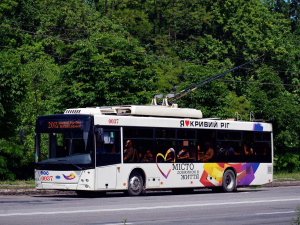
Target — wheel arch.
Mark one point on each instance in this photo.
(231, 168)
(140, 171)
(235, 176)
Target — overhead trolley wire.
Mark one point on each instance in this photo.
(132, 52)
(78, 60)
(111, 48)
(208, 80)
(123, 34)
(56, 56)
(78, 42)
(260, 83)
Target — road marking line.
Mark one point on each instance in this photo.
(117, 223)
(271, 213)
(147, 208)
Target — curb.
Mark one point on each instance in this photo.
(33, 191)
(282, 184)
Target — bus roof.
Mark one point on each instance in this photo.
(139, 110)
(163, 116)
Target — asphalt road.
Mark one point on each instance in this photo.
(247, 206)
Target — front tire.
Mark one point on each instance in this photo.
(135, 184)
(229, 181)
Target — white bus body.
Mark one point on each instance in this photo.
(161, 130)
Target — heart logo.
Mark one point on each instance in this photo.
(165, 157)
(187, 122)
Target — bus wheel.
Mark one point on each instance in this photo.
(229, 181)
(135, 184)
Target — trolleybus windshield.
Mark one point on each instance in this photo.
(64, 141)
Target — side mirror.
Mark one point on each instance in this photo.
(99, 134)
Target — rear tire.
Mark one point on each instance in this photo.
(229, 181)
(135, 184)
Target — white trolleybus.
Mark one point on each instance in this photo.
(137, 148)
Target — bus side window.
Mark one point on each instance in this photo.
(108, 151)
(130, 153)
(192, 151)
(184, 153)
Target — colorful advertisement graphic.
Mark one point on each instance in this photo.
(245, 172)
(169, 156)
(70, 177)
(212, 174)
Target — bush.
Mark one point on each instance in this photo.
(287, 162)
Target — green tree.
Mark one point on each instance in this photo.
(13, 89)
(62, 54)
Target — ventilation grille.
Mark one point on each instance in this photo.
(248, 169)
(72, 111)
(270, 169)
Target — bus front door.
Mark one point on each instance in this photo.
(106, 177)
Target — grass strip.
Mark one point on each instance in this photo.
(17, 184)
(286, 176)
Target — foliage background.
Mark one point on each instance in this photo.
(61, 54)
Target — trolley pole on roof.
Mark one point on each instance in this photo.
(193, 87)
